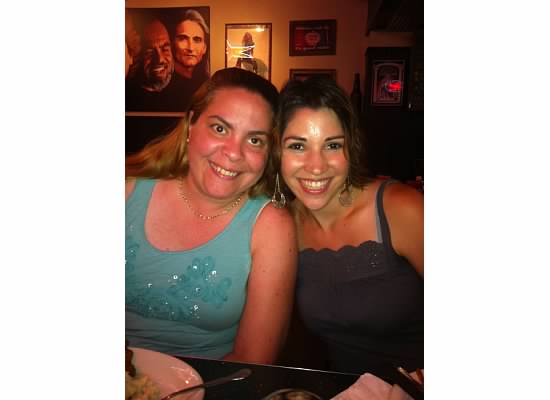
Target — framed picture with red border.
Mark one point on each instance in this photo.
(312, 37)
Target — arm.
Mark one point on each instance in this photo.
(404, 208)
(270, 294)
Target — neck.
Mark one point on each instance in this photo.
(205, 207)
(326, 217)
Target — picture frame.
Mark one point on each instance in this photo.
(387, 68)
(388, 77)
(302, 74)
(164, 87)
(248, 46)
(312, 37)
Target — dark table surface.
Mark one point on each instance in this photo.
(266, 379)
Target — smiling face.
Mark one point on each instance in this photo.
(313, 161)
(190, 43)
(158, 62)
(229, 144)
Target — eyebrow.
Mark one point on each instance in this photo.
(185, 35)
(298, 138)
(302, 139)
(259, 132)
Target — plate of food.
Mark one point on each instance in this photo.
(151, 375)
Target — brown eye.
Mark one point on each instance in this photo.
(334, 146)
(296, 146)
(256, 141)
(220, 129)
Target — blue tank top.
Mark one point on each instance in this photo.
(186, 302)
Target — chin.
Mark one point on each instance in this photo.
(314, 205)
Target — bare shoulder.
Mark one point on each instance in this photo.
(404, 209)
(403, 203)
(274, 245)
(130, 185)
(274, 233)
(272, 219)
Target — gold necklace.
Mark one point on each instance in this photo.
(201, 215)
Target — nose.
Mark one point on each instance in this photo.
(232, 149)
(158, 57)
(316, 163)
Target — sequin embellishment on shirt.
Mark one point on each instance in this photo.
(178, 296)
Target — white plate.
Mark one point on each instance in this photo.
(169, 373)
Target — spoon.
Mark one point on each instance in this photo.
(235, 376)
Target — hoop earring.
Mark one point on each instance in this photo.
(278, 199)
(345, 198)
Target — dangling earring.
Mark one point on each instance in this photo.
(345, 198)
(278, 199)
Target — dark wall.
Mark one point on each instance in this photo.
(141, 130)
(395, 143)
(395, 133)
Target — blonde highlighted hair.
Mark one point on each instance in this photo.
(166, 157)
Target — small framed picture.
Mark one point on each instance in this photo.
(312, 38)
(302, 74)
(387, 67)
(388, 82)
(248, 46)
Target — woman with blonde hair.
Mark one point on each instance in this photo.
(210, 261)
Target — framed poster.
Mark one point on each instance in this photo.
(248, 46)
(387, 76)
(167, 58)
(312, 38)
(302, 74)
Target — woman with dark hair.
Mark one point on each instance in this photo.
(210, 261)
(361, 260)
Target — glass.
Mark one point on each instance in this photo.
(292, 394)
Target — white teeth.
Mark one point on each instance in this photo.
(224, 172)
(315, 185)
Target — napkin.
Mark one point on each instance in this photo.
(370, 387)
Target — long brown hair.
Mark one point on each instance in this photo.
(166, 157)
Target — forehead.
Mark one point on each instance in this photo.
(190, 28)
(233, 94)
(156, 32)
(238, 105)
(318, 122)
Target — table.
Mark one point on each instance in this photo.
(266, 379)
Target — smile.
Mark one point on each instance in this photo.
(223, 172)
(314, 186)
(159, 69)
